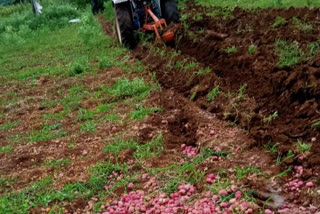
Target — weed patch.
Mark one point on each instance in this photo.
(6, 149)
(289, 53)
(88, 126)
(57, 163)
(48, 132)
(141, 112)
(279, 21)
(136, 88)
(10, 125)
(213, 94)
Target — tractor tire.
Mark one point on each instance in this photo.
(123, 24)
(169, 11)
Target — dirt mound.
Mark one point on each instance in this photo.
(291, 91)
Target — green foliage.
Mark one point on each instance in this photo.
(78, 67)
(270, 118)
(136, 88)
(57, 163)
(90, 31)
(252, 49)
(213, 94)
(284, 173)
(307, 28)
(48, 132)
(279, 21)
(225, 12)
(241, 173)
(150, 149)
(80, 3)
(272, 148)
(102, 108)
(203, 71)
(231, 50)
(111, 117)
(108, 12)
(40, 194)
(119, 145)
(314, 48)
(9, 125)
(56, 116)
(222, 183)
(88, 126)
(147, 150)
(141, 112)
(15, 28)
(6, 149)
(16, 8)
(241, 91)
(171, 185)
(289, 156)
(289, 53)
(316, 124)
(280, 159)
(85, 114)
(191, 65)
(105, 62)
(303, 147)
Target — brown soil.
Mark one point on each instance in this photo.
(292, 91)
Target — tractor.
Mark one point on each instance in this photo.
(158, 16)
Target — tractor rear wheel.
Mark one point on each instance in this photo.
(124, 28)
(169, 11)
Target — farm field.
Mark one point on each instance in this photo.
(225, 120)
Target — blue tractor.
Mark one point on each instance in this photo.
(159, 16)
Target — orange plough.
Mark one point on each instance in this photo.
(167, 32)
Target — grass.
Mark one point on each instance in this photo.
(202, 71)
(135, 88)
(105, 62)
(56, 116)
(231, 50)
(119, 145)
(284, 173)
(57, 163)
(316, 124)
(289, 53)
(141, 112)
(212, 95)
(9, 125)
(40, 194)
(6, 149)
(252, 49)
(303, 147)
(270, 118)
(147, 150)
(85, 114)
(243, 172)
(280, 159)
(301, 25)
(222, 183)
(314, 48)
(111, 117)
(241, 93)
(272, 148)
(88, 126)
(279, 21)
(48, 132)
(78, 67)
